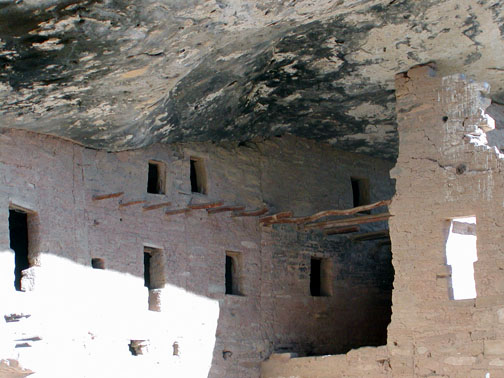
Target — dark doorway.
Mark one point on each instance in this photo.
(154, 277)
(153, 268)
(229, 275)
(18, 233)
(147, 270)
(315, 281)
(320, 277)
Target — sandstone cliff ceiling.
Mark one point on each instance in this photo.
(122, 74)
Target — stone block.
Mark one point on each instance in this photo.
(460, 360)
(494, 347)
(155, 299)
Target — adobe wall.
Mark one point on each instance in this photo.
(429, 331)
(81, 320)
(444, 170)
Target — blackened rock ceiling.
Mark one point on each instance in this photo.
(122, 74)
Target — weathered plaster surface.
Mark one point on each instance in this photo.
(117, 75)
(82, 320)
(444, 170)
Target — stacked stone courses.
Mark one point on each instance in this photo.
(445, 170)
(84, 204)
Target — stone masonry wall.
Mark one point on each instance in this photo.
(358, 311)
(444, 171)
(82, 320)
(451, 173)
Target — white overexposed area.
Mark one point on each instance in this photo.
(79, 322)
(460, 255)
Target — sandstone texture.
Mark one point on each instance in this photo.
(143, 141)
(117, 75)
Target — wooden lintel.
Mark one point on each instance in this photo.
(130, 203)
(382, 234)
(252, 213)
(285, 220)
(209, 205)
(328, 213)
(272, 218)
(225, 208)
(349, 221)
(177, 211)
(106, 196)
(341, 230)
(156, 206)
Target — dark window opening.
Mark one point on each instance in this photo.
(233, 273)
(156, 178)
(360, 191)
(154, 276)
(97, 263)
(18, 233)
(315, 278)
(229, 275)
(147, 270)
(153, 268)
(198, 176)
(194, 177)
(320, 277)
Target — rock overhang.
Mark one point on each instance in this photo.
(123, 75)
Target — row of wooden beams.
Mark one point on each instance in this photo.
(275, 217)
(252, 213)
(225, 208)
(156, 206)
(106, 196)
(208, 205)
(130, 203)
(328, 213)
(177, 211)
(382, 234)
(341, 230)
(348, 221)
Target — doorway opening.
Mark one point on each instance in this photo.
(18, 233)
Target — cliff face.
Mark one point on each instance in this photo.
(118, 75)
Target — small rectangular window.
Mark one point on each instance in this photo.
(147, 265)
(461, 255)
(360, 191)
(233, 275)
(198, 176)
(320, 277)
(156, 177)
(153, 268)
(154, 277)
(97, 263)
